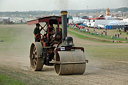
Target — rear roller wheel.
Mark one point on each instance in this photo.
(35, 59)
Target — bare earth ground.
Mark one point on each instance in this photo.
(14, 62)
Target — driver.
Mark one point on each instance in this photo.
(36, 32)
(51, 29)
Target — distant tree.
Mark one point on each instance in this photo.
(123, 9)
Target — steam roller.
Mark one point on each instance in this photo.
(56, 49)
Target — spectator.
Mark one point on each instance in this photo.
(118, 35)
(127, 32)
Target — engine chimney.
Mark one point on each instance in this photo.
(64, 24)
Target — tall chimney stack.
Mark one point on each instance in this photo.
(64, 24)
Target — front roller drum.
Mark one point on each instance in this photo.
(70, 62)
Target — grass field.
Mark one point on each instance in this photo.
(4, 80)
(11, 37)
(15, 38)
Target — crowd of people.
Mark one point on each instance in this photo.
(95, 32)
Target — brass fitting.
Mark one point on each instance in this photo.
(64, 12)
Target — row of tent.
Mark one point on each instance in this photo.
(114, 27)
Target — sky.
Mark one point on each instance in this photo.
(48, 5)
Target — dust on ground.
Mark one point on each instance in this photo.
(14, 62)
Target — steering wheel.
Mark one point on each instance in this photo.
(38, 36)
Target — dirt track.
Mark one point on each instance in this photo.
(15, 63)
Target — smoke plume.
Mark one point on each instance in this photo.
(62, 4)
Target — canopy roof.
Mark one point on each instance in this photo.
(49, 19)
